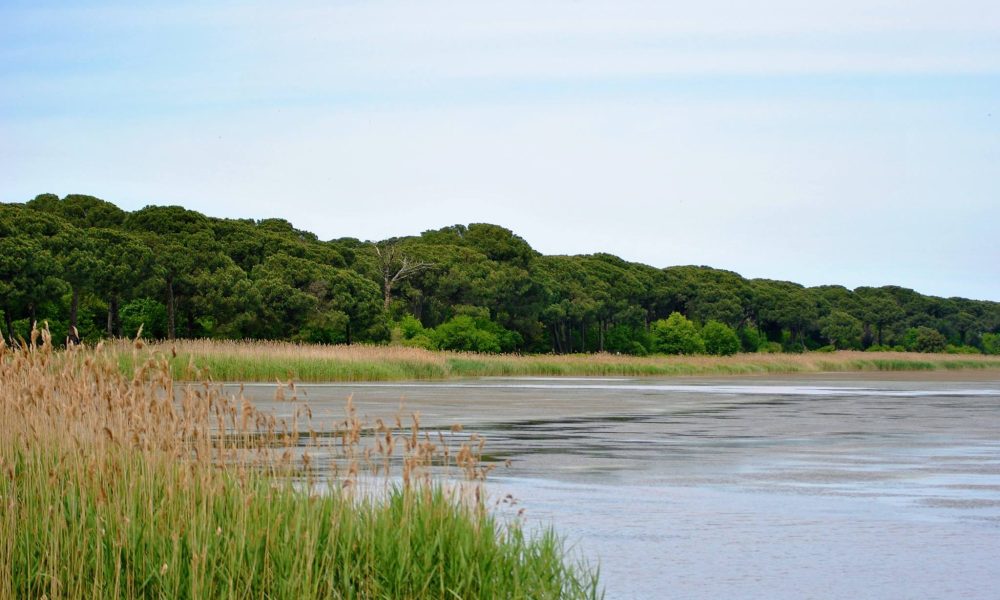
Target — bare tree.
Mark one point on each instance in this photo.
(395, 267)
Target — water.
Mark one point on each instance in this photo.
(844, 487)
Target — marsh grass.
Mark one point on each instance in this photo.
(270, 361)
(116, 486)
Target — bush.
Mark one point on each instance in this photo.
(750, 339)
(410, 327)
(625, 339)
(770, 348)
(421, 340)
(324, 328)
(953, 349)
(991, 343)
(677, 335)
(924, 339)
(470, 334)
(720, 339)
(637, 349)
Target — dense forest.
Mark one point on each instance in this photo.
(90, 269)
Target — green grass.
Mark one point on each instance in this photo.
(132, 528)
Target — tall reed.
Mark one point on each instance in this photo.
(136, 486)
(268, 361)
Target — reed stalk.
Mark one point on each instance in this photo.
(139, 486)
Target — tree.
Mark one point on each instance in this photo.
(880, 309)
(781, 305)
(358, 299)
(676, 335)
(720, 339)
(395, 266)
(30, 275)
(122, 262)
(842, 330)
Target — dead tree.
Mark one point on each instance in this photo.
(395, 267)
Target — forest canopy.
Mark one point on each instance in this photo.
(83, 265)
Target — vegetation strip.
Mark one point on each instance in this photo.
(92, 270)
(124, 487)
(281, 361)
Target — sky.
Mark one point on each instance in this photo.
(850, 142)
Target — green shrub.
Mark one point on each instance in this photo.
(637, 349)
(421, 340)
(150, 314)
(471, 334)
(924, 339)
(626, 339)
(720, 339)
(770, 348)
(750, 339)
(410, 327)
(677, 335)
(991, 343)
(325, 328)
(953, 349)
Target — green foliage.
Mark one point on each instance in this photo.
(924, 339)
(410, 327)
(842, 330)
(147, 313)
(750, 339)
(991, 343)
(676, 335)
(413, 334)
(626, 339)
(720, 339)
(953, 349)
(80, 260)
(472, 334)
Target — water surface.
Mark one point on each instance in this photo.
(835, 487)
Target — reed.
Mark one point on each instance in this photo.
(137, 486)
(270, 361)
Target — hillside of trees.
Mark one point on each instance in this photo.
(82, 264)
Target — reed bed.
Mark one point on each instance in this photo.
(270, 361)
(137, 486)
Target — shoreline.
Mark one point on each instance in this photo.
(249, 361)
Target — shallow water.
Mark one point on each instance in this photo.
(841, 487)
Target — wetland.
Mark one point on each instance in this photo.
(820, 485)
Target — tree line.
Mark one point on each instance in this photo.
(90, 270)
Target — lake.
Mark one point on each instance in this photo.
(839, 486)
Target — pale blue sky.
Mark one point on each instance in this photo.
(851, 142)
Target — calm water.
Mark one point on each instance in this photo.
(792, 488)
